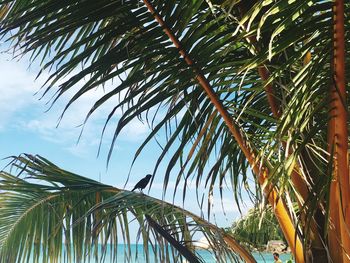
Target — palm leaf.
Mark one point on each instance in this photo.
(131, 46)
(182, 249)
(49, 214)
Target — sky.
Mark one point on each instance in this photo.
(30, 124)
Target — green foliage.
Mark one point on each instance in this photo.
(120, 43)
(51, 215)
(256, 228)
(121, 40)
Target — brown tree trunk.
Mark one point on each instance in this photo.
(339, 239)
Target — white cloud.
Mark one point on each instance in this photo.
(22, 110)
(17, 88)
(135, 131)
(68, 131)
(228, 206)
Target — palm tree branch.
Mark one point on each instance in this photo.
(280, 207)
(75, 212)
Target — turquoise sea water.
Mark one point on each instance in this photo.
(205, 255)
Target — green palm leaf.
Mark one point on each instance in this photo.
(50, 215)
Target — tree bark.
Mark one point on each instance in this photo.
(339, 239)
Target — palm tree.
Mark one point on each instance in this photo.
(259, 84)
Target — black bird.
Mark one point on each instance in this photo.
(143, 182)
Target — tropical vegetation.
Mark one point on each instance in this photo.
(256, 228)
(52, 215)
(251, 90)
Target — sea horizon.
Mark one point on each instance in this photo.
(138, 256)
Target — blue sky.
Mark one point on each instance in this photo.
(26, 126)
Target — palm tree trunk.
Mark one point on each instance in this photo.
(339, 238)
(277, 203)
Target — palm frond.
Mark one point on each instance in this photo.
(49, 214)
(132, 46)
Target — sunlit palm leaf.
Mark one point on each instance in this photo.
(132, 46)
(49, 214)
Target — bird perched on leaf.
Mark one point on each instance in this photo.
(143, 182)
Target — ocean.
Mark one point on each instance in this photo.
(205, 255)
